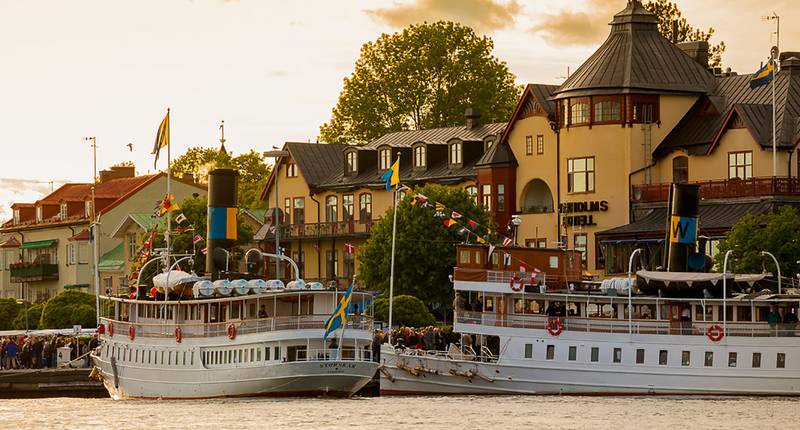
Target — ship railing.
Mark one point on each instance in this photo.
(334, 354)
(639, 326)
(192, 329)
(453, 353)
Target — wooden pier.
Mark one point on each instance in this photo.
(34, 383)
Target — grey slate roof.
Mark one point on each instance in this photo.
(436, 135)
(317, 161)
(635, 58)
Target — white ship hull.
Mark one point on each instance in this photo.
(512, 373)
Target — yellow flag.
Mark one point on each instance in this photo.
(162, 137)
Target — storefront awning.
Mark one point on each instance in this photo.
(39, 244)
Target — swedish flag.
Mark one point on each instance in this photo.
(339, 317)
(763, 76)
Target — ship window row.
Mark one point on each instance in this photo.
(254, 354)
(149, 356)
(663, 356)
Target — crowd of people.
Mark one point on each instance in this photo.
(40, 352)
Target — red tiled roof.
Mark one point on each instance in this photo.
(66, 192)
(83, 235)
(10, 243)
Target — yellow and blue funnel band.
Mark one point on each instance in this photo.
(222, 223)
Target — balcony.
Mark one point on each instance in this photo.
(32, 272)
(325, 230)
(722, 189)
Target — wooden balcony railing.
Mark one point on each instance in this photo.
(31, 272)
(722, 189)
(325, 230)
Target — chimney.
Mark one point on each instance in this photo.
(697, 50)
(117, 172)
(790, 64)
(188, 177)
(473, 117)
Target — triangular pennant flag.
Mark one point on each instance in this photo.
(349, 249)
(455, 215)
(439, 207)
(506, 260)
(197, 238)
(506, 241)
(179, 229)
(462, 231)
(472, 224)
(522, 267)
(204, 251)
(180, 218)
(426, 204)
(449, 222)
(421, 198)
(489, 255)
(168, 205)
(480, 239)
(439, 214)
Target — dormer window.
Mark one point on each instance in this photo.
(38, 214)
(488, 144)
(456, 153)
(384, 159)
(87, 208)
(291, 170)
(16, 216)
(62, 214)
(351, 162)
(419, 156)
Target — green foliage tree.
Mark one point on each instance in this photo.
(425, 248)
(406, 311)
(423, 77)
(667, 12)
(69, 308)
(253, 172)
(9, 310)
(34, 315)
(777, 233)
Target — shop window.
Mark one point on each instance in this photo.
(528, 145)
(740, 165)
(580, 175)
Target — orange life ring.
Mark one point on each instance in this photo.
(554, 327)
(110, 329)
(519, 283)
(132, 332)
(178, 334)
(231, 331)
(715, 333)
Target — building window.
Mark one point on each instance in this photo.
(349, 265)
(644, 112)
(472, 191)
(578, 112)
(463, 257)
(287, 210)
(680, 169)
(299, 257)
(528, 145)
(501, 198)
(580, 243)
(488, 144)
(332, 263)
(291, 170)
(299, 212)
(732, 359)
(686, 358)
(87, 209)
(573, 353)
(595, 354)
(539, 144)
(607, 111)
(780, 362)
(740, 165)
(709, 359)
(38, 214)
(384, 158)
(756, 360)
(331, 209)
(365, 207)
(551, 352)
(662, 357)
(351, 162)
(538, 242)
(419, 156)
(62, 214)
(487, 196)
(132, 246)
(617, 358)
(580, 175)
(528, 350)
(640, 356)
(16, 213)
(347, 207)
(455, 153)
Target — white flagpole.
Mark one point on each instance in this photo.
(774, 145)
(391, 270)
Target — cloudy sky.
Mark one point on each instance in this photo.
(271, 69)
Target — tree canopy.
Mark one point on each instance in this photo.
(253, 172)
(777, 233)
(425, 248)
(406, 311)
(423, 77)
(9, 310)
(69, 308)
(667, 12)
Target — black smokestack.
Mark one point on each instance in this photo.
(684, 202)
(222, 215)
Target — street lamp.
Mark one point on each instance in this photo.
(776, 265)
(630, 288)
(277, 154)
(725, 292)
(21, 302)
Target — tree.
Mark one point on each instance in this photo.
(423, 77)
(34, 315)
(253, 172)
(777, 233)
(667, 12)
(69, 308)
(406, 311)
(425, 248)
(9, 310)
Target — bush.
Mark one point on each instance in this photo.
(67, 309)
(9, 310)
(406, 311)
(34, 315)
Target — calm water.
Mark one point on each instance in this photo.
(464, 412)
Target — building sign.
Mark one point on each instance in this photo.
(578, 207)
(683, 229)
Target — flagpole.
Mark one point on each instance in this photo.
(391, 269)
(774, 145)
(169, 208)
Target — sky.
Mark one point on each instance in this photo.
(272, 70)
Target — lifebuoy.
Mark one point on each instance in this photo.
(715, 333)
(178, 334)
(101, 329)
(132, 332)
(518, 281)
(554, 327)
(231, 331)
(110, 329)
